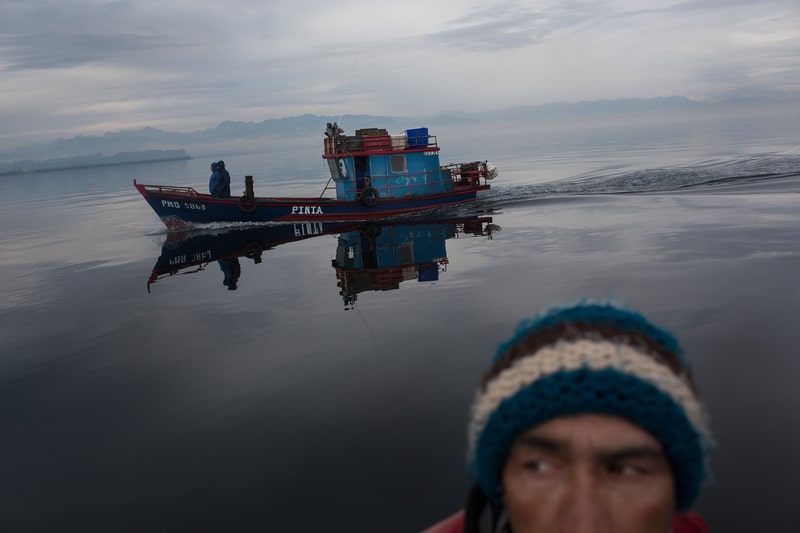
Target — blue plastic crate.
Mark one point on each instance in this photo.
(417, 137)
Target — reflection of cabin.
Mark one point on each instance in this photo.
(380, 258)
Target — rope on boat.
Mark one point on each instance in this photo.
(326, 187)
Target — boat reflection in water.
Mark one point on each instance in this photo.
(190, 252)
(369, 257)
(379, 258)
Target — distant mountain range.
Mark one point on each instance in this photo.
(155, 144)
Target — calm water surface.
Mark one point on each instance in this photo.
(329, 391)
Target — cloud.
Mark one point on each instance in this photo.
(88, 65)
(64, 50)
(513, 24)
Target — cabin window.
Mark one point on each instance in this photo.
(399, 163)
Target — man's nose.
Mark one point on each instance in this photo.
(582, 508)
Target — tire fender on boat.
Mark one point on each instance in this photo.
(369, 197)
(247, 204)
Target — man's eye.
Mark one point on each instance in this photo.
(626, 469)
(538, 466)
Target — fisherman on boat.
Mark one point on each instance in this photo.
(221, 187)
(587, 420)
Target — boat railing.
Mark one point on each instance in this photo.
(352, 145)
(168, 189)
(472, 174)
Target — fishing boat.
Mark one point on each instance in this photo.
(374, 175)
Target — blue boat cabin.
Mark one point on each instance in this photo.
(396, 166)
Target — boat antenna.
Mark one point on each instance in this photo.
(349, 84)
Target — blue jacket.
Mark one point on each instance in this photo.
(213, 181)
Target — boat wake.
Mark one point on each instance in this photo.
(757, 174)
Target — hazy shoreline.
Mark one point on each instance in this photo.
(95, 161)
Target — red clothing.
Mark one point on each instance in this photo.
(688, 522)
(451, 524)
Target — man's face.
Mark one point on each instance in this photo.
(588, 473)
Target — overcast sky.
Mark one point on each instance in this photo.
(91, 66)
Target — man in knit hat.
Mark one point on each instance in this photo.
(587, 421)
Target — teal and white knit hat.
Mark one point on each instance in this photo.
(590, 358)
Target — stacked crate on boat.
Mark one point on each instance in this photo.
(378, 143)
(353, 144)
(371, 132)
(375, 139)
(417, 137)
(399, 142)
